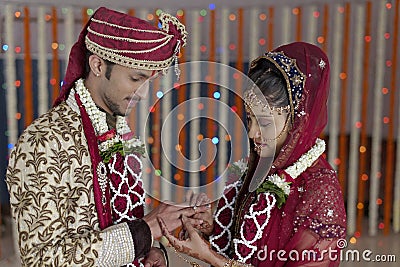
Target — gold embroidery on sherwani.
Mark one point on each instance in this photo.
(51, 194)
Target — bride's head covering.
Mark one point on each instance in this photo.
(305, 69)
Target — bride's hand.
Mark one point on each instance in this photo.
(194, 245)
(206, 216)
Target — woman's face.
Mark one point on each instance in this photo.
(267, 129)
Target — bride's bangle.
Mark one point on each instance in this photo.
(229, 263)
(233, 263)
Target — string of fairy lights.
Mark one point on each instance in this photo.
(364, 123)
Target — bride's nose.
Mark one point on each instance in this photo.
(254, 132)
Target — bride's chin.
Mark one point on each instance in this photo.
(265, 153)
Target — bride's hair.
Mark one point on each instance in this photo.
(271, 82)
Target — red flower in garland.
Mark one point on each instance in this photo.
(107, 135)
(127, 136)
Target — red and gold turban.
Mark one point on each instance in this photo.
(127, 41)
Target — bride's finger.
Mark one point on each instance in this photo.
(202, 199)
(171, 239)
(189, 227)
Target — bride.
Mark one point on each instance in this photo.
(287, 209)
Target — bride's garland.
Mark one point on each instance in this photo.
(273, 192)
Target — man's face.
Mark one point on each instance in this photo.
(124, 89)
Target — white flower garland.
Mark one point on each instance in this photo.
(305, 161)
(280, 182)
(241, 164)
(98, 119)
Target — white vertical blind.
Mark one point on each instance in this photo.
(376, 152)
(334, 101)
(195, 75)
(42, 62)
(222, 152)
(355, 113)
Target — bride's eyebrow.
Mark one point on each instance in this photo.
(262, 116)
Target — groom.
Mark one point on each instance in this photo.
(75, 192)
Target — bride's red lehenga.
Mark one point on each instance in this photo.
(306, 230)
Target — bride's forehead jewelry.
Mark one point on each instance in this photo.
(295, 79)
(252, 99)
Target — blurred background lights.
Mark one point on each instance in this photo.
(160, 94)
(215, 140)
(203, 12)
(5, 47)
(89, 11)
(211, 6)
(217, 95)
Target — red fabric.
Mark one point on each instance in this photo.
(313, 217)
(306, 130)
(134, 30)
(130, 191)
(127, 188)
(103, 212)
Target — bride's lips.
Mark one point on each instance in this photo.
(260, 144)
